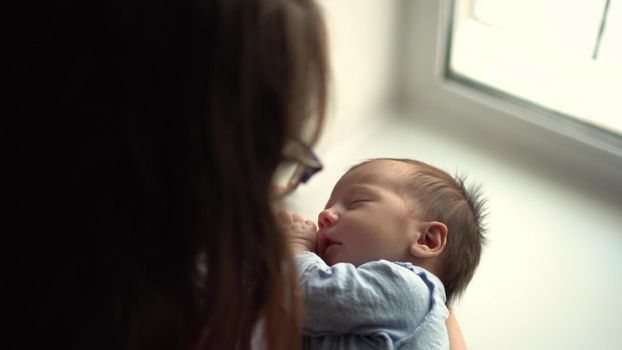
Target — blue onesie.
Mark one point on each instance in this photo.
(378, 305)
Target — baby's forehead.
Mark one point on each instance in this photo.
(385, 173)
(373, 177)
(379, 168)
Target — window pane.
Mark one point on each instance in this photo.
(542, 52)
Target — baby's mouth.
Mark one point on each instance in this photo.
(324, 242)
(331, 242)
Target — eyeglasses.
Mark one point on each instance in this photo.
(298, 166)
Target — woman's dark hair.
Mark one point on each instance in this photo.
(141, 141)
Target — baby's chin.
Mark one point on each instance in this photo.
(339, 253)
(329, 259)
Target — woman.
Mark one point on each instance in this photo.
(141, 161)
(142, 142)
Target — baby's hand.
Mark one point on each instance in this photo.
(301, 233)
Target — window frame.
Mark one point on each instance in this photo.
(430, 89)
(574, 126)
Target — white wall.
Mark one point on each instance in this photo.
(551, 274)
(362, 47)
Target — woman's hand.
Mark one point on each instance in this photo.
(456, 340)
(301, 233)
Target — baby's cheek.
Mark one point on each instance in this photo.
(321, 244)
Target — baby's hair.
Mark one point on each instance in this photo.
(438, 196)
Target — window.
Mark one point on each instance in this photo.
(562, 58)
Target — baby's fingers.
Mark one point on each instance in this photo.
(311, 223)
(284, 216)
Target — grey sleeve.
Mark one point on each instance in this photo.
(362, 300)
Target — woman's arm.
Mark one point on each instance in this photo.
(456, 340)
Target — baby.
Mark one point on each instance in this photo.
(398, 239)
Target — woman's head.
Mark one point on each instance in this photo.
(267, 78)
(275, 91)
(151, 131)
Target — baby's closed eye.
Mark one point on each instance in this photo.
(358, 200)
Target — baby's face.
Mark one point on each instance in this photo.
(366, 219)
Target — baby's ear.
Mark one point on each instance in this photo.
(431, 240)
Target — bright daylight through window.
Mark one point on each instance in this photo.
(563, 56)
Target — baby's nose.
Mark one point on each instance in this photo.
(327, 218)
